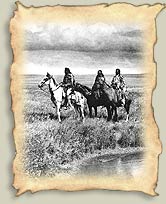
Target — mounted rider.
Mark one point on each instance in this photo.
(99, 83)
(119, 85)
(68, 83)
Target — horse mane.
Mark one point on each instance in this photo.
(84, 87)
(84, 90)
(89, 89)
(54, 81)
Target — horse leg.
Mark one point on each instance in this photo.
(116, 114)
(90, 111)
(82, 113)
(58, 112)
(109, 113)
(127, 118)
(70, 105)
(127, 108)
(95, 111)
(75, 111)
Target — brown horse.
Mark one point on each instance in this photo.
(107, 99)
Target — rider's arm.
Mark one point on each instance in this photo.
(63, 80)
(72, 80)
(113, 81)
(96, 79)
(123, 84)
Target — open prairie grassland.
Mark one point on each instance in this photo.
(53, 147)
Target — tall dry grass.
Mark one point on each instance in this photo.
(50, 145)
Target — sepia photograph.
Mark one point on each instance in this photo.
(85, 97)
(84, 92)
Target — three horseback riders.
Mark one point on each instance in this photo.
(117, 83)
(100, 91)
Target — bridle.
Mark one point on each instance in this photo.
(40, 87)
(43, 83)
(60, 84)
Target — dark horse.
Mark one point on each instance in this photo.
(108, 99)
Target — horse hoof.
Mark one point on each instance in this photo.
(127, 119)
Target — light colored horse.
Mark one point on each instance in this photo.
(75, 99)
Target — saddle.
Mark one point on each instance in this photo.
(71, 97)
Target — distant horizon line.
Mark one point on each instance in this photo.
(145, 73)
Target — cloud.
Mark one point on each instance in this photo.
(83, 37)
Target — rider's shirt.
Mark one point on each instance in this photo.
(118, 82)
(99, 82)
(98, 86)
(69, 80)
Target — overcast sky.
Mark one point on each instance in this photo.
(122, 45)
(82, 37)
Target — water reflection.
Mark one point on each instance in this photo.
(107, 165)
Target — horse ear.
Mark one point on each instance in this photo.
(47, 74)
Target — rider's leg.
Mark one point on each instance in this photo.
(123, 96)
(68, 97)
(65, 99)
(117, 95)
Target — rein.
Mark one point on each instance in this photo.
(108, 85)
(44, 91)
(57, 87)
(52, 90)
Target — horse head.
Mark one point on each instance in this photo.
(83, 89)
(46, 80)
